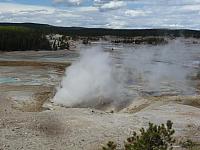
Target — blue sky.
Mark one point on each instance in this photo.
(104, 13)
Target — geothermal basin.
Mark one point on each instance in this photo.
(149, 83)
(139, 71)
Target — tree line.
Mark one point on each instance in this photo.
(30, 36)
(20, 38)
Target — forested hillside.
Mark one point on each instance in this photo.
(30, 36)
(22, 38)
(79, 31)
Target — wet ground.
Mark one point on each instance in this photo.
(29, 84)
(168, 70)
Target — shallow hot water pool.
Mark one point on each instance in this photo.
(4, 80)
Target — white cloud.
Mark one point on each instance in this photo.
(112, 5)
(21, 8)
(70, 2)
(135, 13)
(58, 21)
(115, 24)
(175, 25)
(124, 14)
(191, 7)
(87, 9)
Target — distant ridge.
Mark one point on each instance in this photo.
(81, 31)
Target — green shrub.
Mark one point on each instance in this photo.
(190, 145)
(187, 144)
(110, 146)
(155, 137)
(198, 75)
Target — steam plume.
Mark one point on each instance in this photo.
(100, 78)
(90, 78)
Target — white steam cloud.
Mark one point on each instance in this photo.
(161, 69)
(102, 79)
(91, 78)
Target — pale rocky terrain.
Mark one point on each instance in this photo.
(85, 128)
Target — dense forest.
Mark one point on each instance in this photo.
(30, 36)
(22, 38)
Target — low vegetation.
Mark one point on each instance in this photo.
(190, 145)
(198, 75)
(155, 137)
